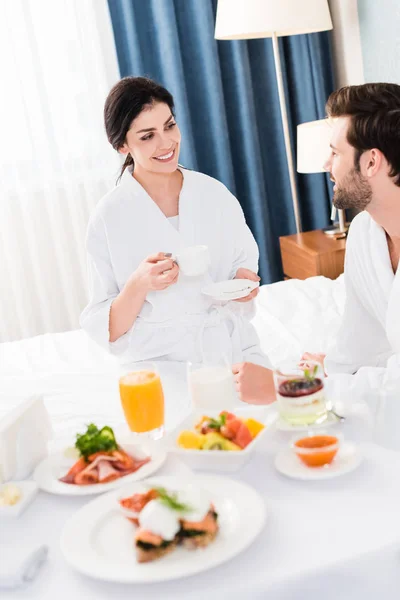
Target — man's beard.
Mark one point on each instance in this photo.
(354, 192)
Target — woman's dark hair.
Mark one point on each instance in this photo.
(125, 102)
(374, 111)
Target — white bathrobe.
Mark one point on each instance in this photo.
(179, 323)
(368, 341)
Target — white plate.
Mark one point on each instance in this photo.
(233, 289)
(220, 460)
(283, 425)
(98, 540)
(56, 465)
(347, 459)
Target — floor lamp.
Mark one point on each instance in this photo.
(313, 149)
(250, 19)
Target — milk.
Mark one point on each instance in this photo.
(212, 387)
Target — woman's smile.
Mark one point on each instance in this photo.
(166, 157)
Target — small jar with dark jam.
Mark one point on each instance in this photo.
(300, 395)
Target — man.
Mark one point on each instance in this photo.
(365, 166)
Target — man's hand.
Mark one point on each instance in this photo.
(247, 274)
(308, 359)
(254, 384)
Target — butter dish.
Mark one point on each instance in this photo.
(28, 491)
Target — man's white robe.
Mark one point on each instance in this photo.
(179, 323)
(368, 341)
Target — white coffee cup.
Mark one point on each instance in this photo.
(193, 261)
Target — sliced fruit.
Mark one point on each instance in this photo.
(190, 440)
(216, 441)
(237, 432)
(231, 427)
(228, 445)
(254, 426)
(228, 416)
(213, 441)
(243, 437)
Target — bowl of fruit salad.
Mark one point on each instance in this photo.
(220, 440)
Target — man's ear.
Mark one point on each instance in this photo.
(373, 159)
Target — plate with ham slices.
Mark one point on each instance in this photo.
(164, 528)
(96, 464)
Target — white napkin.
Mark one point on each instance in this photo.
(24, 433)
(26, 572)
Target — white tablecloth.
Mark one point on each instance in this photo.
(338, 538)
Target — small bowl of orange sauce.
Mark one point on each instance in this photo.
(316, 450)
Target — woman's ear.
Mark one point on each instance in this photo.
(123, 149)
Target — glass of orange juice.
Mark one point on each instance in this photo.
(142, 399)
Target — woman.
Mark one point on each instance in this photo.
(141, 307)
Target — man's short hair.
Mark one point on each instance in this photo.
(374, 111)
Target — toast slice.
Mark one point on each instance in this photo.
(148, 552)
(199, 534)
(151, 547)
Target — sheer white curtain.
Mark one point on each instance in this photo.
(57, 63)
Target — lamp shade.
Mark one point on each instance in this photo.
(313, 145)
(249, 19)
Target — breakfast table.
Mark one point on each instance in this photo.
(334, 538)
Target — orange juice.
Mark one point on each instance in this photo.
(142, 399)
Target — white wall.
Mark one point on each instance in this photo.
(347, 50)
(380, 39)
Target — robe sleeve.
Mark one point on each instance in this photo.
(369, 383)
(103, 289)
(245, 251)
(138, 343)
(359, 343)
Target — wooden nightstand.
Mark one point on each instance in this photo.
(312, 253)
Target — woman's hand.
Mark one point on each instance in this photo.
(156, 272)
(247, 274)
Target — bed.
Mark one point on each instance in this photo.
(78, 379)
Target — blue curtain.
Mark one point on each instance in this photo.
(228, 108)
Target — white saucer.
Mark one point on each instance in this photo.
(233, 289)
(347, 459)
(283, 425)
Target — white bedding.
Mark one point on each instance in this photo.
(297, 316)
(79, 379)
(292, 317)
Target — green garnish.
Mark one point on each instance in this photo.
(310, 375)
(170, 499)
(217, 423)
(95, 440)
